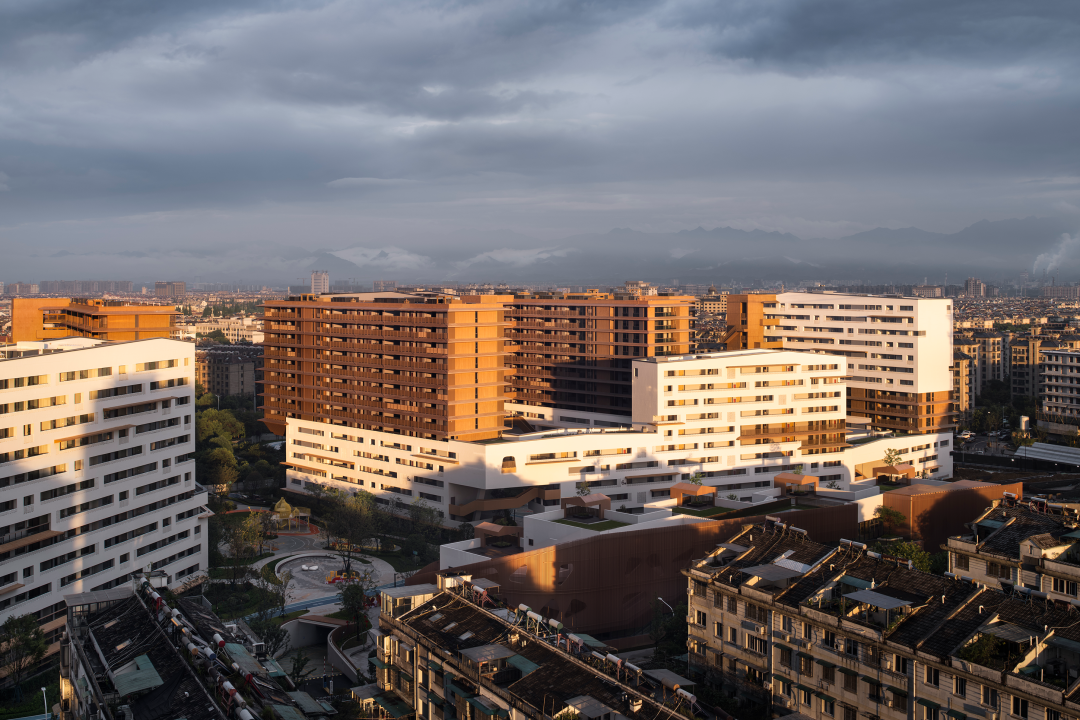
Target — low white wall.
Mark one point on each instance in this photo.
(759, 497)
(638, 518)
(303, 635)
(857, 492)
(454, 555)
(868, 505)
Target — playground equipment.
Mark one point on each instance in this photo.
(337, 576)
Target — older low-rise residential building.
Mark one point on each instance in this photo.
(228, 369)
(450, 651)
(842, 633)
(963, 384)
(1029, 545)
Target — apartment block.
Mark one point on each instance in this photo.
(899, 349)
(35, 319)
(174, 289)
(992, 364)
(963, 384)
(235, 330)
(440, 653)
(714, 303)
(85, 287)
(228, 370)
(320, 282)
(426, 367)
(1024, 366)
(839, 632)
(1027, 544)
(1060, 386)
(737, 418)
(573, 351)
(97, 478)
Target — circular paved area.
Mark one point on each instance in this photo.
(310, 584)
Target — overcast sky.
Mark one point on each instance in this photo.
(128, 125)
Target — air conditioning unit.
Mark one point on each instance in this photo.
(995, 716)
(762, 630)
(787, 637)
(259, 649)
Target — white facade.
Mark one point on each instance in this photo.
(96, 475)
(690, 414)
(907, 341)
(240, 329)
(320, 282)
(1059, 382)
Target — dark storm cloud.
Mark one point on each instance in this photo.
(334, 123)
(809, 35)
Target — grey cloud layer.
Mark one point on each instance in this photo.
(546, 117)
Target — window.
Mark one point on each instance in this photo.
(851, 647)
(901, 665)
(732, 605)
(828, 674)
(787, 624)
(807, 631)
(899, 702)
(757, 614)
(733, 636)
(828, 707)
(849, 713)
(1019, 707)
(786, 657)
(933, 676)
(999, 571)
(806, 666)
(851, 682)
(718, 629)
(1052, 714)
(756, 644)
(804, 696)
(928, 713)
(1065, 587)
(959, 686)
(701, 619)
(989, 696)
(961, 562)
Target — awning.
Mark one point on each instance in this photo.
(929, 704)
(772, 572)
(823, 696)
(878, 600)
(824, 663)
(956, 714)
(896, 690)
(855, 582)
(434, 666)
(378, 663)
(805, 688)
(846, 671)
(781, 647)
(1008, 631)
(991, 523)
(871, 680)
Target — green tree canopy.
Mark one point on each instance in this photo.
(22, 645)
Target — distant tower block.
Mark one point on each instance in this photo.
(320, 282)
(385, 285)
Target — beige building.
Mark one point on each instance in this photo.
(715, 303)
(991, 358)
(1024, 366)
(963, 383)
(235, 330)
(840, 633)
(227, 370)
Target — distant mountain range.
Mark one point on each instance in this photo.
(990, 250)
(1000, 249)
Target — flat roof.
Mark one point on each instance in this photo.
(411, 590)
(773, 572)
(878, 600)
(709, 356)
(488, 653)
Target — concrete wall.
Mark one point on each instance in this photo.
(456, 554)
(303, 634)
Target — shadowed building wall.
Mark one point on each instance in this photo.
(608, 583)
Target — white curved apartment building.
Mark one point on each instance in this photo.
(96, 476)
(738, 418)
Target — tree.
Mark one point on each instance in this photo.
(695, 479)
(466, 531)
(583, 488)
(22, 645)
(424, 516)
(255, 529)
(797, 469)
(350, 523)
(892, 457)
(892, 519)
(920, 559)
(272, 599)
(299, 667)
(353, 601)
